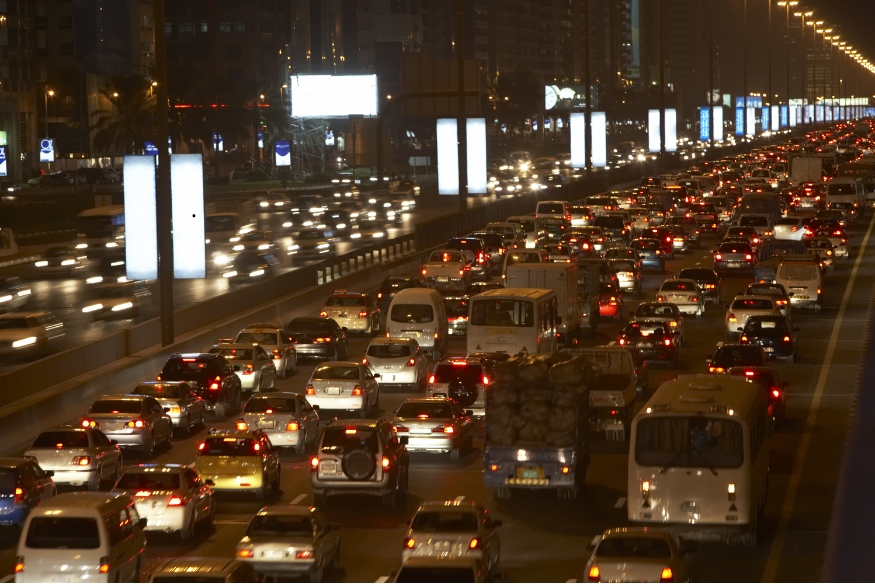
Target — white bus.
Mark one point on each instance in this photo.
(699, 459)
(100, 229)
(513, 320)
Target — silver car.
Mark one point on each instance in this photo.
(344, 385)
(276, 342)
(288, 419)
(445, 529)
(400, 362)
(131, 420)
(290, 540)
(637, 554)
(171, 497)
(663, 312)
(685, 294)
(203, 569)
(62, 260)
(435, 424)
(182, 404)
(251, 363)
(116, 300)
(743, 307)
(628, 274)
(80, 457)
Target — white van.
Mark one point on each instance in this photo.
(847, 189)
(803, 281)
(527, 222)
(82, 537)
(420, 314)
(553, 209)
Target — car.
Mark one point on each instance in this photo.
(664, 235)
(204, 569)
(457, 313)
(251, 239)
(824, 249)
(210, 375)
(596, 235)
(239, 461)
(709, 282)
(112, 268)
(728, 355)
(637, 554)
(132, 420)
(28, 334)
(623, 253)
(690, 229)
(685, 293)
(628, 274)
(394, 284)
(708, 222)
(399, 362)
(435, 424)
(285, 541)
(847, 209)
(317, 336)
(251, 363)
(344, 385)
(272, 202)
(408, 185)
(650, 252)
(481, 267)
(775, 388)
(775, 334)
(77, 456)
(353, 311)
(441, 569)
(522, 256)
(360, 457)
(14, 294)
(494, 245)
(743, 307)
(171, 497)
(116, 300)
(461, 529)
(749, 233)
(23, 486)
(791, 228)
(185, 408)
(286, 418)
(276, 342)
(610, 300)
(665, 312)
(653, 340)
(839, 239)
(782, 297)
(59, 261)
(312, 243)
(732, 256)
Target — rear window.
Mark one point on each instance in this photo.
(159, 391)
(229, 446)
(753, 221)
(257, 338)
(841, 189)
(735, 355)
(798, 272)
(412, 313)
(339, 441)
(734, 248)
(633, 547)
(280, 525)
(61, 439)
(466, 373)
(445, 257)
(270, 405)
(345, 301)
(388, 351)
(7, 480)
(456, 307)
(195, 366)
(551, 208)
(116, 406)
(150, 481)
(646, 329)
(425, 411)
(67, 533)
(671, 286)
(337, 372)
(444, 521)
(527, 225)
(523, 258)
(245, 354)
(311, 325)
(659, 309)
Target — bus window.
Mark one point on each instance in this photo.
(694, 441)
(488, 312)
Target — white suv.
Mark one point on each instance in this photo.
(278, 344)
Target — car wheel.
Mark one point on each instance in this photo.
(221, 409)
(184, 427)
(149, 446)
(301, 447)
(187, 533)
(295, 365)
(316, 574)
(456, 453)
(376, 406)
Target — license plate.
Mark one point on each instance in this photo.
(420, 431)
(329, 469)
(62, 578)
(529, 472)
(332, 390)
(442, 279)
(111, 427)
(267, 424)
(387, 367)
(800, 296)
(769, 349)
(273, 554)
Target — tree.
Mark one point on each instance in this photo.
(127, 121)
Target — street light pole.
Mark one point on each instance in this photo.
(283, 111)
(48, 93)
(662, 77)
(744, 73)
(768, 103)
(711, 73)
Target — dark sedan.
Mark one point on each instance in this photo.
(768, 378)
(653, 339)
(709, 282)
(775, 334)
(728, 355)
(318, 336)
(650, 252)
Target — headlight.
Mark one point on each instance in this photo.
(256, 273)
(112, 244)
(238, 247)
(287, 224)
(6, 298)
(41, 264)
(94, 280)
(81, 245)
(264, 246)
(322, 246)
(23, 342)
(355, 236)
(264, 204)
(68, 262)
(341, 225)
(229, 274)
(123, 306)
(25, 292)
(92, 308)
(220, 260)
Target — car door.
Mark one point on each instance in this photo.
(193, 402)
(44, 483)
(162, 421)
(198, 492)
(230, 381)
(271, 458)
(370, 384)
(105, 452)
(264, 364)
(307, 416)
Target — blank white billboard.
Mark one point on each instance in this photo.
(141, 229)
(717, 121)
(775, 118)
(751, 121)
(578, 140)
(476, 128)
(187, 188)
(599, 139)
(671, 130)
(333, 96)
(653, 130)
(447, 157)
(792, 113)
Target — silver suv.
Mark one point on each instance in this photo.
(278, 344)
(360, 457)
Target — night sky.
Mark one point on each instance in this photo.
(854, 19)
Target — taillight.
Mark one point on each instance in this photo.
(431, 379)
(594, 573)
(748, 257)
(786, 339)
(104, 565)
(303, 554)
(245, 553)
(410, 362)
(358, 390)
(81, 460)
(666, 576)
(718, 257)
(365, 361)
(385, 462)
(409, 543)
(485, 380)
(292, 427)
(324, 313)
(666, 342)
(241, 425)
(248, 370)
(19, 564)
(363, 314)
(310, 390)
(314, 463)
(622, 341)
(175, 502)
(19, 495)
(475, 544)
(743, 339)
(136, 424)
(732, 318)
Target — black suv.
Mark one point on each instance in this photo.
(728, 355)
(391, 286)
(211, 377)
(464, 380)
(317, 336)
(709, 282)
(360, 457)
(482, 266)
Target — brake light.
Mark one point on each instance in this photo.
(357, 390)
(175, 502)
(363, 314)
(104, 565)
(423, 272)
(292, 427)
(241, 425)
(732, 318)
(310, 390)
(314, 463)
(485, 380)
(201, 445)
(694, 299)
(786, 339)
(743, 338)
(718, 257)
(475, 544)
(248, 370)
(275, 354)
(19, 564)
(622, 341)
(379, 295)
(245, 553)
(666, 342)
(89, 424)
(19, 494)
(667, 575)
(303, 554)
(365, 361)
(776, 392)
(409, 543)
(322, 340)
(748, 257)
(385, 462)
(324, 313)
(594, 574)
(660, 298)
(431, 379)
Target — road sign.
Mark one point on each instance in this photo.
(47, 150)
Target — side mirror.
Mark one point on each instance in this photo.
(236, 367)
(315, 407)
(209, 482)
(143, 522)
(166, 410)
(113, 442)
(739, 329)
(469, 412)
(377, 375)
(404, 440)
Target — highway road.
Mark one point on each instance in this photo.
(545, 539)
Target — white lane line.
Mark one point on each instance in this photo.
(231, 522)
(7, 578)
(382, 579)
(459, 499)
(620, 502)
(298, 499)
(777, 548)
(572, 580)
(698, 263)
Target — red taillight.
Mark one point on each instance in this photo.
(365, 361)
(743, 339)
(718, 257)
(303, 554)
(363, 314)
(292, 427)
(732, 318)
(175, 502)
(357, 390)
(322, 340)
(19, 495)
(786, 339)
(594, 573)
(431, 379)
(410, 363)
(324, 313)
(19, 564)
(89, 424)
(104, 565)
(666, 342)
(485, 380)
(622, 341)
(241, 425)
(748, 257)
(310, 390)
(314, 463)
(385, 462)
(475, 544)
(409, 543)
(423, 272)
(248, 370)
(666, 576)
(201, 446)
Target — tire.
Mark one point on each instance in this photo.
(211, 516)
(238, 402)
(294, 366)
(184, 428)
(221, 409)
(316, 574)
(168, 438)
(187, 533)
(149, 447)
(301, 448)
(358, 465)
(456, 453)
(257, 389)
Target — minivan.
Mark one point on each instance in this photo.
(420, 314)
(803, 281)
(93, 536)
(555, 209)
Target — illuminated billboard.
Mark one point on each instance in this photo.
(568, 97)
(333, 96)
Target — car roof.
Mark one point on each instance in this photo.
(11, 462)
(85, 499)
(441, 505)
(193, 356)
(429, 400)
(295, 510)
(637, 532)
(195, 564)
(275, 394)
(442, 561)
(123, 396)
(358, 423)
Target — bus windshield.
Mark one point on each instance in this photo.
(502, 312)
(689, 441)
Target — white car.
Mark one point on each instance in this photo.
(252, 364)
(442, 529)
(276, 342)
(400, 362)
(790, 228)
(743, 307)
(637, 554)
(28, 333)
(344, 385)
(288, 419)
(685, 294)
(171, 497)
(79, 457)
(353, 311)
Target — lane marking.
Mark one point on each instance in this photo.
(298, 499)
(620, 502)
(459, 499)
(382, 579)
(231, 522)
(777, 549)
(698, 263)
(7, 578)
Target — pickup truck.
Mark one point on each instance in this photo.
(612, 393)
(448, 269)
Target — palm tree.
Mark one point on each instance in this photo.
(127, 120)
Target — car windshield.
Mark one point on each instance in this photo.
(243, 354)
(388, 351)
(797, 272)
(159, 391)
(633, 547)
(229, 446)
(689, 441)
(445, 521)
(412, 313)
(277, 524)
(551, 208)
(256, 338)
(116, 406)
(461, 371)
(435, 574)
(8, 481)
(339, 440)
(767, 328)
(270, 405)
(344, 372)
(61, 439)
(63, 533)
(152, 481)
(677, 286)
(345, 301)
(445, 257)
